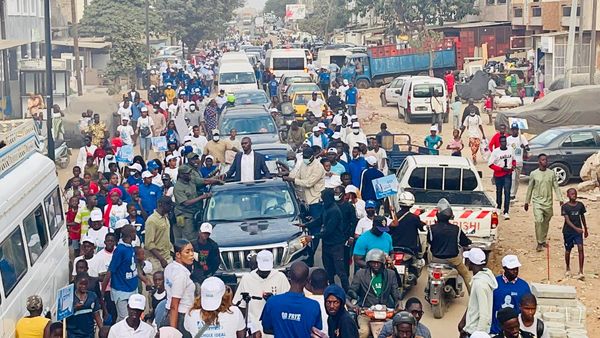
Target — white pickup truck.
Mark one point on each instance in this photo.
(430, 178)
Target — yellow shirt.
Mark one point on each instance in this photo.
(31, 327)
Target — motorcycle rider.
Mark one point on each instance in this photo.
(371, 286)
(445, 240)
(405, 325)
(405, 227)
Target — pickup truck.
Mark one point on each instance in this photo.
(430, 178)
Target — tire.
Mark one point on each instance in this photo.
(363, 84)
(562, 172)
(407, 117)
(438, 310)
(399, 114)
(384, 102)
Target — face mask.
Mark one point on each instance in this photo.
(306, 161)
(291, 163)
(216, 138)
(337, 198)
(192, 108)
(355, 131)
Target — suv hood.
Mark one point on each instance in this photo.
(254, 232)
(266, 138)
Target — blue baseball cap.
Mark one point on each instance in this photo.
(370, 204)
(152, 165)
(514, 126)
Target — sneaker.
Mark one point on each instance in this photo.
(568, 274)
(580, 277)
(540, 247)
(506, 216)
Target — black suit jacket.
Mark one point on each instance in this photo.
(260, 167)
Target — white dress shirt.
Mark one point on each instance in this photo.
(247, 167)
(123, 330)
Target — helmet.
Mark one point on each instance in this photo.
(406, 199)
(444, 208)
(230, 98)
(404, 317)
(375, 255)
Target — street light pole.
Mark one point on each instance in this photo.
(147, 32)
(593, 56)
(49, 86)
(75, 32)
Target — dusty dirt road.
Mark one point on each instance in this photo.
(516, 236)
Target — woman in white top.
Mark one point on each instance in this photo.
(213, 314)
(179, 286)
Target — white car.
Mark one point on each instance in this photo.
(387, 93)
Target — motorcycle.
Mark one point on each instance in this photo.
(62, 155)
(443, 286)
(408, 268)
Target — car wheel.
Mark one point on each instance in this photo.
(363, 84)
(562, 172)
(407, 117)
(384, 103)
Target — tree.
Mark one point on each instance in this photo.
(192, 21)
(278, 6)
(327, 16)
(123, 24)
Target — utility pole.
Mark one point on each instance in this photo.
(580, 39)
(5, 70)
(147, 32)
(571, 44)
(593, 56)
(75, 32)
(49, 86)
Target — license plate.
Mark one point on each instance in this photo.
(421, 108)
(400, 269)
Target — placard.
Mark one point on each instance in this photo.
(521, 122)
(385, 186)
(125, 154)
(64, 302)
(159, 143)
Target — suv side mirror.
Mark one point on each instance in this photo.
(398, 91)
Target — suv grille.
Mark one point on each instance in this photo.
(237, 259)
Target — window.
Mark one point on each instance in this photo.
(536, 11)
(469, 180)
(13, 264)
(490, 2)
(501, 2)
(427, 90)
(566, 10)
(584, 139)
(56, 218)
(434, 178)
(288, 63)
(417, 178)
(518, 12)
(34, 226)
(452, 179)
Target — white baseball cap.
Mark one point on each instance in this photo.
(96, 215)
(216, 132)
(144, 108)
(511, 262)
(321, 125)
(371, 160)
(146, 174)
(137, 301)
(354, 117)
(171, 157)
(265, 260)
(479, 334)
(355, 125)
(350, 189)
(121, 223)
(475, 256)
(206, 227)
(136, 166)
(187, 138)
(88, 239)
(332, 151)
(316, 128)
(336, 135)
(433, 128)
(211, 293)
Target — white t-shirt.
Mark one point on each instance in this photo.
(126, 133)
(315, 106)
(275, 283)
(381, 156)
(501, 158)
(229, 323)
(516, 144)
(145, 122)
(122, 329)
(364, 224)
(77, 259)
(178, 284)
(172, 173)
(321, 300)
(117, 212)
(98, 236)
(125, 112)
(533, 328)
(359, 206)
(198, 144)
(100, 262)
(472, 124)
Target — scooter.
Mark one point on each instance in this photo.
(443, 286)
(408, 268)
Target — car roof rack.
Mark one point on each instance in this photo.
(21, 139)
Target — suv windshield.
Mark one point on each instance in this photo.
(258, 97)
(245, 125)
(426, 90)
(236, 78)
(242, 204)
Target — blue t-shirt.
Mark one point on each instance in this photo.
(273, 88)
(324, 78)
(136, 111)
(291, 315)
(351, 95)
(338, 169)
(368, 241)
(122, 268)
(131, 180)
(149, 194)
(356, 167)
(508, 294)
(81, 323)
(366, 188)
(431, 142)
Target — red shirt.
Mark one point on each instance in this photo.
(449, 82)
(75, 230)
(116, 143)
(495, 141)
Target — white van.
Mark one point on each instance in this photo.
(416, 95)
(286, 61)
(235, 76)
(34, 251)
(234, 57)
(329, 56)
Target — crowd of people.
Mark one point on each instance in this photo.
(142, 264)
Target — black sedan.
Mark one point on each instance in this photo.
(567, 149)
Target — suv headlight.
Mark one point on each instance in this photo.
(295, 245)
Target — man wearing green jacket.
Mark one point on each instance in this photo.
(541, 184)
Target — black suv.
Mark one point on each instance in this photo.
(253, 216)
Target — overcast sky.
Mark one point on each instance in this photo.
(258, 4)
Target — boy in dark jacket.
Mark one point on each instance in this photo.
(339, 322)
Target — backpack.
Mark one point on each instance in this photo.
(539, 330)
